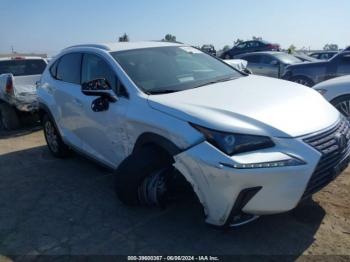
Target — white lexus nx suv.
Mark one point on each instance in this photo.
(156, 112)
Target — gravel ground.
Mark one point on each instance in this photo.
(52, 206)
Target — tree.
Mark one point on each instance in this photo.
(225, 48)
(291, 49)
(169, 38)
(331, 47)
(124, 38)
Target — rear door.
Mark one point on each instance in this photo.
(66, 90)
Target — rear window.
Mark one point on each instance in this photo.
(23, 67)
(68, 69)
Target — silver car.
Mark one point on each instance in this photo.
(269, 63)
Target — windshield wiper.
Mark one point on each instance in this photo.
(216, 81)
(162, 91)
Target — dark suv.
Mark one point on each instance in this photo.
(248, 47)
(310, 74)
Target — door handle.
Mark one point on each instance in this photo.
(78, 102)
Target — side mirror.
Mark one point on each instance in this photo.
(99, 87)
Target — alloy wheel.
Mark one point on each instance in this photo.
(344, 108)
(152, 191)
(302, 82)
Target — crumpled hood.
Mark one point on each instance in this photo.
(251, 105)
(239, 64)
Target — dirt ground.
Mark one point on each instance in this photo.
(52, 206)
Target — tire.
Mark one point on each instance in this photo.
(227, 56)
(303, 80)
(53, 138)
(8, 117)
(342, 103)
(137, 178)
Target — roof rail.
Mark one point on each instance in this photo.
(99, 46)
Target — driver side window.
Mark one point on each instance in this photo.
(94, 67)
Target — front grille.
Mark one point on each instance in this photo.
(334, 144)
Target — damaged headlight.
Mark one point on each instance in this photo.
(231, 143)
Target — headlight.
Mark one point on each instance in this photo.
(321, 91)
(231, 143)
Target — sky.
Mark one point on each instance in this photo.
(51, 25)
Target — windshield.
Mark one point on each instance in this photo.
(23, 67)
(171, 69)
(288, 59)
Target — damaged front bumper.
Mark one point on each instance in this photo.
(227, 192)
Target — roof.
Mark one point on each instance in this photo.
(325, 51)
(122, 46)
(262, 53)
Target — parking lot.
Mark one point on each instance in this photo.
(51, 206)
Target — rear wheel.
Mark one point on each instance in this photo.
(227, 56)
(142, 178)
(53, 138)
(303, 81)
(8, 117)
(342, 103)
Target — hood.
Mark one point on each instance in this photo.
(251, 105)
(338, 81)
(308, 65)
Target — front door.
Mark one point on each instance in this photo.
(102, 133)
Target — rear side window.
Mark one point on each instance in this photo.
(23, 67)
(251, 58)
(68, 69)
(265, 59)
(53, 69)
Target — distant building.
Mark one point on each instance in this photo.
(23, 54)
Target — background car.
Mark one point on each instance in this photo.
(337, 92)
(209, 49)
(270, 63)
(18, 99)
(323, 55)
(304, 57)
(250, 46)
(310, 74)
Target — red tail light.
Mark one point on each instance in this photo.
(9, 86)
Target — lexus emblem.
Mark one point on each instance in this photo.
(341, 141)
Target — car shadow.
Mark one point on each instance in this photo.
(54, 206)
(24, 130)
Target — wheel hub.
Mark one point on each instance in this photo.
(152, 191)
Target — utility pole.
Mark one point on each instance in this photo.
(12, 49)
